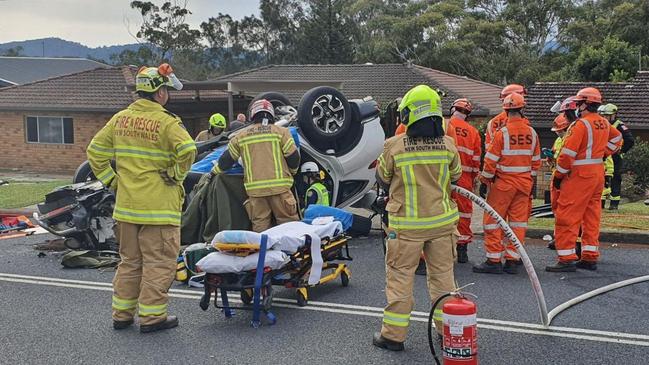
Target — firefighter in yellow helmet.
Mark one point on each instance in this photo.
(217, 125)
(417, 169)
(153, 154)
(270, 159)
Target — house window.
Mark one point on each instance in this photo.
(56, 130)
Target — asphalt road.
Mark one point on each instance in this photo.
(52, 315)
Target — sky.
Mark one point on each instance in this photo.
(97, 22)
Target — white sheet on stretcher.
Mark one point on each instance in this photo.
(222, 263)
(289, 237)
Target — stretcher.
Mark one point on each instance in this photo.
(318, 260)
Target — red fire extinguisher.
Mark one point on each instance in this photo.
(460, 341)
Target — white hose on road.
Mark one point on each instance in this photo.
(536, 285)
(560, 308)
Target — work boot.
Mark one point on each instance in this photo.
(462, 256)
(489, 267)
(562, 267)
(613, 205)
(578, 249)
(120, 325)
(169, 322)
(587, 265)
(421, 268)
(552, 245)
(510, 267)
(384, 343)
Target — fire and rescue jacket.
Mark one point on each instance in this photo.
(419, 172)
(263, 150)
(515, 155)
(468, 144)
(144, 140)
(588, 141)
(317, 193)
(206, 135)
(401, 129)
(627, 137)
(494, 126)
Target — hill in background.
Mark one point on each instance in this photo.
(57, 47)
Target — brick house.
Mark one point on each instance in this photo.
(630, 97)
(48, 124)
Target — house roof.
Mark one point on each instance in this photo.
(100, 90)
(630, 97)
(23, 70)
(384, 82)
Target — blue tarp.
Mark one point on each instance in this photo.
(314, 211)
(205, 165)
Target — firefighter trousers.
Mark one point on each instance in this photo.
(579, 205)
(401, 259)
(146, 272)
(512, 204)
(465, 207)
(280, 208)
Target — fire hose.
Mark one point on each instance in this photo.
(509, 234)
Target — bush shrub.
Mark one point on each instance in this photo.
(636, 163)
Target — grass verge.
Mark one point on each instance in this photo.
(23, 194)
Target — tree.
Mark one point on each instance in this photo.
(13, 52)
(326, 33)
(143, 56)
(165, 28)
(599, 62)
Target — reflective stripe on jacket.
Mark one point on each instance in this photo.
(588, 141)
(494, 126)
(514, 155)
(263, 150)
(144, 139)
(419, 171)
(468, 143)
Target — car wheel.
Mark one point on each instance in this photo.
(324, 116)
(84, 173)
(275, 98)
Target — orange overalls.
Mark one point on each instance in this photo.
(469, 145)
(580, 167)
(511, 161)
(494, 126)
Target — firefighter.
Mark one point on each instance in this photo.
(270, 159)
(500, 120)
(509, 165)
(417, 169)
(580, 178)
(216, 127)
(317, 192)
(154, 153)
(609, 112)
(469, 146)
(559, 126)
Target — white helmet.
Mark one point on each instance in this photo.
(309, 167)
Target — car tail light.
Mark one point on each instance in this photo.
(373, 165)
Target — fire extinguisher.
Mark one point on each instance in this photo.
(459, 340)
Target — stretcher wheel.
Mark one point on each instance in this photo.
(246, 296)
(302, 301)
(344, 278)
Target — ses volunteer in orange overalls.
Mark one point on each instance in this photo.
(469, 145)
(509, 164)
(580, 178)
(500, 120)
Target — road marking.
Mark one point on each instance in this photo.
(366, 311)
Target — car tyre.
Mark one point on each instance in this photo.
(324, 117)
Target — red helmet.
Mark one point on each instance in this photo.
(589, 95)
(569, 104)
(512, 88)
(261, 106)
(463, 104)
(560, 123)
(514, 101)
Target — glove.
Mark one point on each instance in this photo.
(166, 178)
(557, 183)
(483, 190)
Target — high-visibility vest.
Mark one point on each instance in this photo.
(321, 192)
(589, 140)
(144, 139)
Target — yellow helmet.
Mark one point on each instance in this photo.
(418, 103)
(150, 79)
(217, 121)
